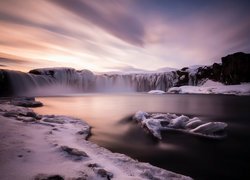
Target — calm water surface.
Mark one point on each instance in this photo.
(110, 117)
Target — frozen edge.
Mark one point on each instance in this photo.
(43, 138)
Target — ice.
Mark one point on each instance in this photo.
(140, 115)
(154, 126)
(156, 123)
(209, 127)
(192, 123)
(156, 92)
(179, 122)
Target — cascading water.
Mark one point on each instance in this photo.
(50, 81)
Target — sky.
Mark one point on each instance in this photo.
(121, 35)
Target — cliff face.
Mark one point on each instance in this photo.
(235, 68)
(5, 86)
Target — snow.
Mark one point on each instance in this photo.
(156, 92)
(209, 83)
(211, 87)
(155, 123)
(52, 145)
(140, 116)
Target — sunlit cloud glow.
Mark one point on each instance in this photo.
(120, 35)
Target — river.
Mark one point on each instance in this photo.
(109, 115)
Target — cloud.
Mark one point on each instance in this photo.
(5, 61)
(121, 35)
(121, 25)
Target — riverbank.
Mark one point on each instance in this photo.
(212, 87)
(37, 146)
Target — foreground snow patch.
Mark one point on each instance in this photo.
(55, 147)
(213, 88)
(158, 122)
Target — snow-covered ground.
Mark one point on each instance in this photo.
(46, 147)
(211, 87)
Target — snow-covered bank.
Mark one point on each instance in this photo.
(211, 87)
(155, 123)
(41, 147)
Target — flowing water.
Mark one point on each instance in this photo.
(112, 127)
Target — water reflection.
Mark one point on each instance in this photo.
(110, 117)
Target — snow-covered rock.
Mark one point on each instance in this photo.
(155, 123)
(156, 92)
(140, 116)
(211, 87)
(209, 127)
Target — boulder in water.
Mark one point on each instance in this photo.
(195, 126)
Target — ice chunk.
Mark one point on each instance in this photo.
(140, 116)
(193, 123)
(210, 128)
(155, 123)
(156, 92)
(154, 126)
(179, 122)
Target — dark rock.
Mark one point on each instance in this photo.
(184, 68)
(5, 84)
(183, 77)
(83, 132)
(100, 171)
(216, 72)
(50, 116)
(26, 102)
(53, 120)
(48, 177)
(31, 114)
(75, 153)
(164, 123)
(93, 165)
(10, 114)
(236, 68)
(103, 173)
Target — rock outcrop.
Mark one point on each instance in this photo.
(235, 68)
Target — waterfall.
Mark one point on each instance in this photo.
(51, 81)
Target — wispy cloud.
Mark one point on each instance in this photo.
(121, 35)
(109, 16)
